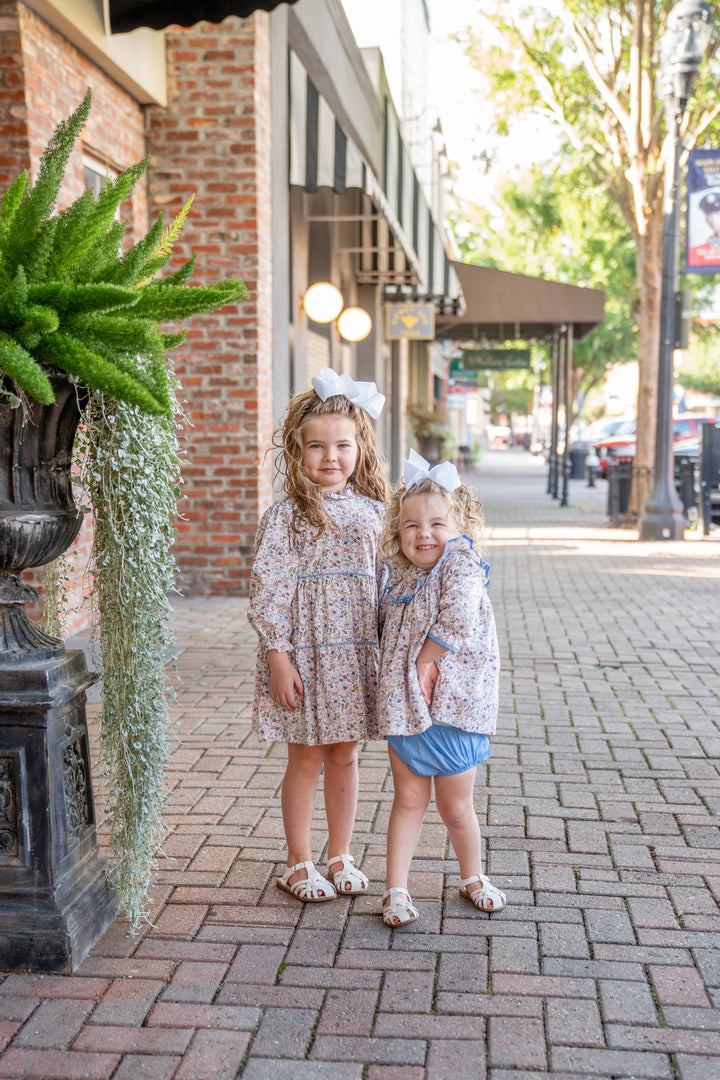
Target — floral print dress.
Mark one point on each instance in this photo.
(451, 605)
(317, 600)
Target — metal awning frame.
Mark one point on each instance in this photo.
(383, 255)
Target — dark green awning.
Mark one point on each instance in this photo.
(126, 15)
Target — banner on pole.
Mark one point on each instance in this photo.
(702, 232)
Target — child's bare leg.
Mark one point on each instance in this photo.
(454, 800)
(298, 802)
(412, 797)
(341, 791)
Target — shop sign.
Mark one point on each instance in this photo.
(413, 321)
(493, 360)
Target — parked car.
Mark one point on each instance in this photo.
(686, 439)
(615, 444)
(604, 428)
(687, 433)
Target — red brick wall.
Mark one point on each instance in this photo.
(214, 141)
(14, 148)
(42, 79)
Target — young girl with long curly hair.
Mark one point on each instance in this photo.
(314, 603)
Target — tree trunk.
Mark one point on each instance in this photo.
(649, 278)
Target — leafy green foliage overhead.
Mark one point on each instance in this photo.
(704, 375)
(549, 224)
(72, 300)
(590, 69)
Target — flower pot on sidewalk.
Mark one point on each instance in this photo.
(54, 897)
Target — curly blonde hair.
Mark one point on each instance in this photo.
(367, 477)
(465, 506)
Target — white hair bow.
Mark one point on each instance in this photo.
(418, 469)
(364, 394)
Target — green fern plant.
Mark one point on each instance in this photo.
(72, 300)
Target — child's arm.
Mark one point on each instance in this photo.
(273, 579)
(427, 669)
(284, 679)
(272, 588)
(461, 598)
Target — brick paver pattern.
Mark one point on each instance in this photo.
(599, 810)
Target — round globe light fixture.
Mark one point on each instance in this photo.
(354, 324)
(322, 302)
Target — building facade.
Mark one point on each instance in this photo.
(303, 170)
(288, 138)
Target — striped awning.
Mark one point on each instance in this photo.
(441, 284)
(398, 245)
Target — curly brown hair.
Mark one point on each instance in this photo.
(368, 475)
(465, 506)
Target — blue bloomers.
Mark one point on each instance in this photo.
(441, 750)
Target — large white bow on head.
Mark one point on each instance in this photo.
(418, 469)
(364, 394)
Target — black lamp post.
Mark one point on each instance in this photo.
(686, 37)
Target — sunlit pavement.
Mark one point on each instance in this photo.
(600, 810)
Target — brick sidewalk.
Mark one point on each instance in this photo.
(600, 810)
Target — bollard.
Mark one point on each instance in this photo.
(685, 483)
(592, 462)
(619, 474)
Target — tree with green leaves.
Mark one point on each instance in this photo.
(703, 373)
(592, 68)
(546, 223)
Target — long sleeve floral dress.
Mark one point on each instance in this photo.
(317, 600)
(450, 604)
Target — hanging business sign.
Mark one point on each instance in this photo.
(494, 359)
(413, 321)
(460, 376)
(702, 233)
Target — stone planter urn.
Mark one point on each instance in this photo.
(54, 897)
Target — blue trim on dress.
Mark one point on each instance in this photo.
(450, 648)
(421, 582)
(336, 573)
(329, 644)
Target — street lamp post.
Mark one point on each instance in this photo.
(686, 37)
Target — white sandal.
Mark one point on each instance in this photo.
(312, 889)
(401, 910)
(486, 898)
(349, 881)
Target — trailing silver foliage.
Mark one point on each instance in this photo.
(55, 602)
(131, 474)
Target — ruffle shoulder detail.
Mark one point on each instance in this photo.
(403, 585)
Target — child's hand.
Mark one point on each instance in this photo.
(285, 680)
(428, 675)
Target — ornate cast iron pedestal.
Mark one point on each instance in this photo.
(54, 897)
